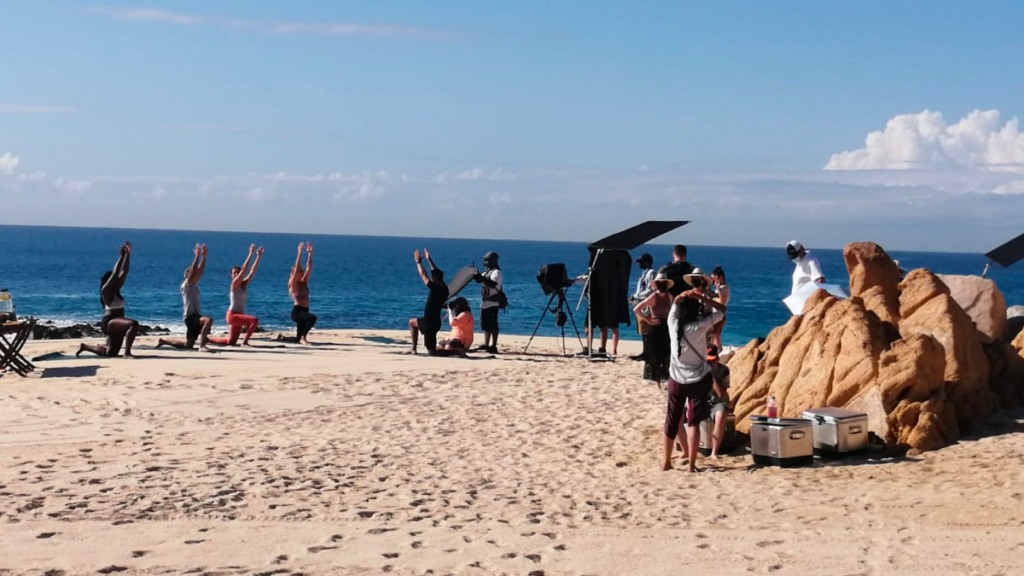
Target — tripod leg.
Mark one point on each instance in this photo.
(543, 314)
(562, 300)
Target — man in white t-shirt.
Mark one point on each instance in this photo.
(807, 269)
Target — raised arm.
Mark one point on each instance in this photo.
(245, 265)
(298, 260)
(419, 267)
(255, 267)
(309, 262)
(202, 263)
(430, 260)
(703, 298)
(193, 274)
(115, 281)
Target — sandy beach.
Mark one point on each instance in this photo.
(349, 458)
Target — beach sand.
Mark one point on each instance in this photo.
(349, 458)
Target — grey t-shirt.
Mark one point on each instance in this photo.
(189, 299)
(688, 363)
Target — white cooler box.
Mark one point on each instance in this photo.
(838, 432)
(781, 442)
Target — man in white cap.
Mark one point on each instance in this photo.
(807, 269)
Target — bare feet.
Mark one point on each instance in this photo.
(666, 467)
(160, 343)
(410, 352)
(81, 348)
(714, 456)
(129, 356)
(246, 344)
(304, 342)
(205, 348)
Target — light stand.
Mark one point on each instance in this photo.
(562, 304)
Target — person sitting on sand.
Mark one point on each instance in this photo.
(690, 379)
(236, 317)
(298, 288)
(117, 328)
(460, 318)
(719, 398)
(653, 311)
(430, 323)
(197, 326)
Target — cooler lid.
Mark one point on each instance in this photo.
(834, 414)
(755, 419)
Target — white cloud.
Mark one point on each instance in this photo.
(498, 175)
(503, 198)
(71, 186)
(260, 194)
(10, 108)
(925, 141)
(146, 15)
(1015, 187)
(280, 28)
(8, 162)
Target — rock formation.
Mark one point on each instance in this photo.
(923, 366)
(50, 331)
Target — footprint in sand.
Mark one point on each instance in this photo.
(139, 553)
(46, 535)
(318, 549)
(535, 558)
(112, 569)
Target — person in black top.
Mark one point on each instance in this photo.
(430, 323)
(677, 269)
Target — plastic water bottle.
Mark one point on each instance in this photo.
(773, 408)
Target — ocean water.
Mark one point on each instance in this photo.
(371, 282)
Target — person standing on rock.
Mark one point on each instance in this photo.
(807, 268)
(690, 378)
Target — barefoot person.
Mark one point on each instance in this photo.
(430, 323)
(719, 399)
(490, 301)
(197, 326)
(653, 311)
(460, 318)
(690, 379)
(236, 317)
(117, 328)
(298, 287)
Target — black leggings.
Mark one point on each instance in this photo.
(304, 321)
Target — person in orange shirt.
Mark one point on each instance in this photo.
(460, 317)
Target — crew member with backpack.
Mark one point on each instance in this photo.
(492, 299)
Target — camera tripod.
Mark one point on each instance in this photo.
(561, 310)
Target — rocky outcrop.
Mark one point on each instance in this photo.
(903, 350)
(875, 278)
(50, 331)
(982, 301)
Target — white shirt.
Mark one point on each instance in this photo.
(488, 292)
(688, 365)
(807, 269)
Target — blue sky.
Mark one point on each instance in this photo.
(564, 120)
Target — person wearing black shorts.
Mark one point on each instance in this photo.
(690, 378)
(490, 294)
(430, 323)
(197, 326)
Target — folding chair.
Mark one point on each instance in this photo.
(10, 349)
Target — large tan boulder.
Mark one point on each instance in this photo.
(914, 369)
(982, 300)
(939, 316)
(875, 278)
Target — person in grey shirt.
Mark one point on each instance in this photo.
(197, 326)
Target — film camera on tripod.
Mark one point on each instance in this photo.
(554, 281)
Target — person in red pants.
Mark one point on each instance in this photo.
(236, 318)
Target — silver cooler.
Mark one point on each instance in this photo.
(838, 432)
(781, 441)
(707, 428)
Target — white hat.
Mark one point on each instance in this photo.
(793, 249)
(697, 273)
(796, 245)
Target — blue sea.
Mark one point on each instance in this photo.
(370, 282)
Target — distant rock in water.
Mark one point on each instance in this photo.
(49, 331)
(926, 357)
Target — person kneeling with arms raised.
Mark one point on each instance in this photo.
(197, 326)
(430, 323)
(690, 379)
